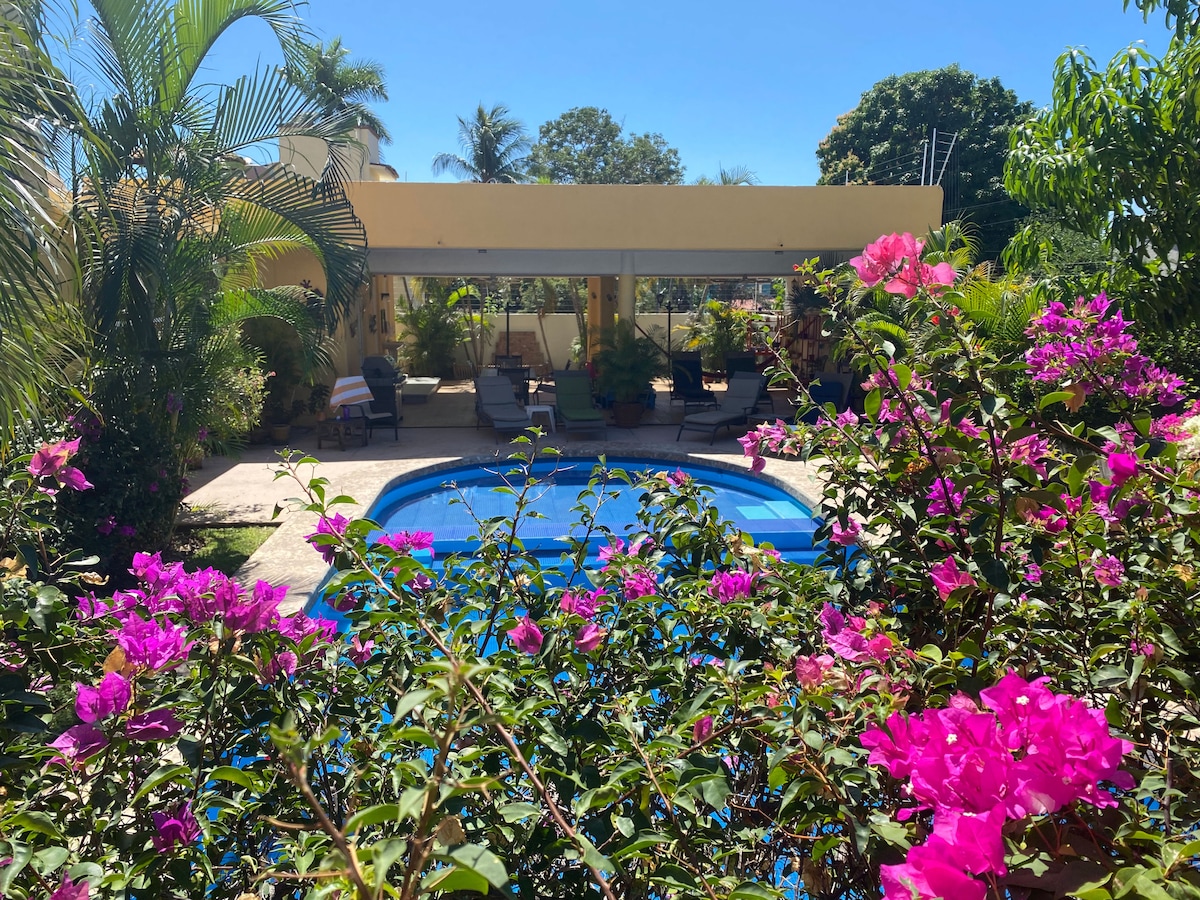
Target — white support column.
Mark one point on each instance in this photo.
(626, 295)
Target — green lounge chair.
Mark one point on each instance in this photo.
(573, 403)
(739, 399)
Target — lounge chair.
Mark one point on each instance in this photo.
(547, 387)
(519, 376)
(496, 405)
(827, 387)
(687, 382)
(747, 362)
(573, 402)
(738, 401)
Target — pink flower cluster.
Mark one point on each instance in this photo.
(1090, 347)
(154, 628)
(1028, 751)
(895, 260)
(50, 461)
(726, 587)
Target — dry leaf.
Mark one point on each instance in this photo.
(449, 832)
(115, 661)
(1078, 396)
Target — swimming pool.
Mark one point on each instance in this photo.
(426, 503)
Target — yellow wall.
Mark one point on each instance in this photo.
(633, 217)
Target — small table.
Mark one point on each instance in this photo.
(542, 408)
(418, 390)
(341, 430)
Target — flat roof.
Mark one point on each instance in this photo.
(644, 230)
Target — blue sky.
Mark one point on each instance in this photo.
(756, 84)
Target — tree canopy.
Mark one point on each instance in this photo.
(495, 147)
(341, 87)
(585, 145)
(881, 141)
(1115, 157)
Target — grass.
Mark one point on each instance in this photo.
(225, 549)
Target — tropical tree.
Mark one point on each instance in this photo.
(1114, 157)
(342, 88)
(882, 141)
(171, 230)
(585, 145)
(738, 175)
(38, 331)
(495, 147)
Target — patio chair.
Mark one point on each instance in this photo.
(747, 362)
(827, 387)
(519, 376)
(547, 387)
(496, 405)
(353, 400)
(573, 402)
(737, 403)
(687, 382)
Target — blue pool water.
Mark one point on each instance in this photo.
(427, 503)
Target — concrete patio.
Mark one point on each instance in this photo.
(438, 433)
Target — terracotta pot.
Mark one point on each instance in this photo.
(280, 434)
(627, 415)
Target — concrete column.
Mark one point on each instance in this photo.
(626, 297)
(602, 295)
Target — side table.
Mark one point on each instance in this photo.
(534, 408)
(342, 431)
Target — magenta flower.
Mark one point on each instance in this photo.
(590, 637)
(885, 257)
(810, 670)
(727, 587)
(1145, 649)
(71, 890)
(943, 499)
(175, 829)
(407, 541)
(927, 873)
(153, 645)
(360, 652)
(50, 461)
(678, 477)
(947, 578)
(581, 603)
(153, 726)
(526, 637)
(327, 538)
(702, 730)
(847, 536)
(1109, 571)
(1123, 466)
(282, 663)
(174, 403)
(640, 583)
(78, 743)
(109, 697)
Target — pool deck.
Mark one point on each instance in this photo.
(244, 491)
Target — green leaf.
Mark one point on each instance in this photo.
(373, 815)
(159, 776)
(1055, 397)
(451, 879)
(515, 812)
(37, 822)
(872, 402)
(749, 890)
(480, 861)
(231, 773)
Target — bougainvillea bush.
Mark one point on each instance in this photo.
(981, 689)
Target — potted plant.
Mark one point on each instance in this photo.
(626, 364)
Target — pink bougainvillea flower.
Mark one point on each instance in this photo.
(78, 743)
(810, 670)
(177, 828)
(1109, 571)
(526, 637)
(1145, 649)
(590, 637)
(581, 603)
(284, 663)
(109, 697)
(408, 541)
(323, 539)
(640, 583)
(846, 536)
(50, 461)
(158, 725)
(360, 652)
(926, 873)
(702, 730)
(71, 890)
(947, 577)
(679, 477)
(615, 547)
(1123, 466)
(152, 645)
(885, 257)
(727, 587)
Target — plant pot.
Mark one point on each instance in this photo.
(627, 415)
(280, 434)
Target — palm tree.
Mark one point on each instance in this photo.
(341, 87)
(38, 331)
(172, 228)
(732, 175)
(496, 147)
